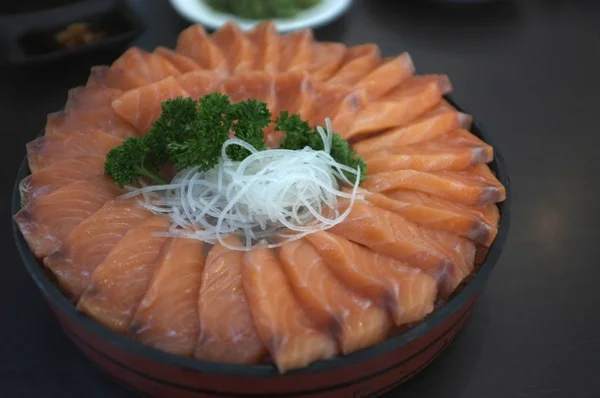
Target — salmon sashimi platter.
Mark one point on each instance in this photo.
(256, 198)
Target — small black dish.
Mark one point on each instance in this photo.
(30, 38)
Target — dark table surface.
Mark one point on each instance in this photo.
(530, 70)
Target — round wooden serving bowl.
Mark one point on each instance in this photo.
(366, 373)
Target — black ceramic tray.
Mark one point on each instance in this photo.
(28, 38)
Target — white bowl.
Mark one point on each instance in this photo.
(198, 11)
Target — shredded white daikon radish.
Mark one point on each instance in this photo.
(258, 198)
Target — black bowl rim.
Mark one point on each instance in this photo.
(394, 343)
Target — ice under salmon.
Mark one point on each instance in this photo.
(426, 213)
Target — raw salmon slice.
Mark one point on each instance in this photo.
(142, 106)
(386, 76)
(296, 50)
(295, 93)
(338, 103)
(198, 83)
(167, 318)
(266, 42)
(454, 151)
(119, 283)
(46, 221)
(445, 216)
(282, 324)
(151, 67)
(326, 59)
(346, 112)
(115, 78)
(486, 212)
(181, 62)
(89, 97)
(58, 175)
(465, 120)
(405, 104)
(436, 122)
(357, 63)
(467, 187)
(328, 99)
(48, 150)
(95, 118)
(355, 321)
(416, 83)
(445, 256)
(252, 85)
(88, 244)
(408, 293)
(235, 46)
(193, 42)
(227, 331)
(89, 107)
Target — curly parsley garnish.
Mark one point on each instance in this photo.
(191, 133)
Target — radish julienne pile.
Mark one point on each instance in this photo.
(267, 191)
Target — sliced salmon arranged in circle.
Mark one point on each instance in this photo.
(227, 331)
(436, 122)
(389, 74)
(403, 105)
(53, 177)
(46, 221)
(357, 63)
(142, 106)
(408, 293)
(445, 256)
(237, 49)
(151, 67)
(181, 62)
(119, 282)
(195, 43)
(252, 85)
(167, 317)
(470, 186)
(88, 244)
(425, 216)
(355, 321)
(115, 78)
(296, 51)
(326, 59)
(454, 151)
(48, 150)
(285, 328)
(478, 225)
(265, 38)
(200, 82)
